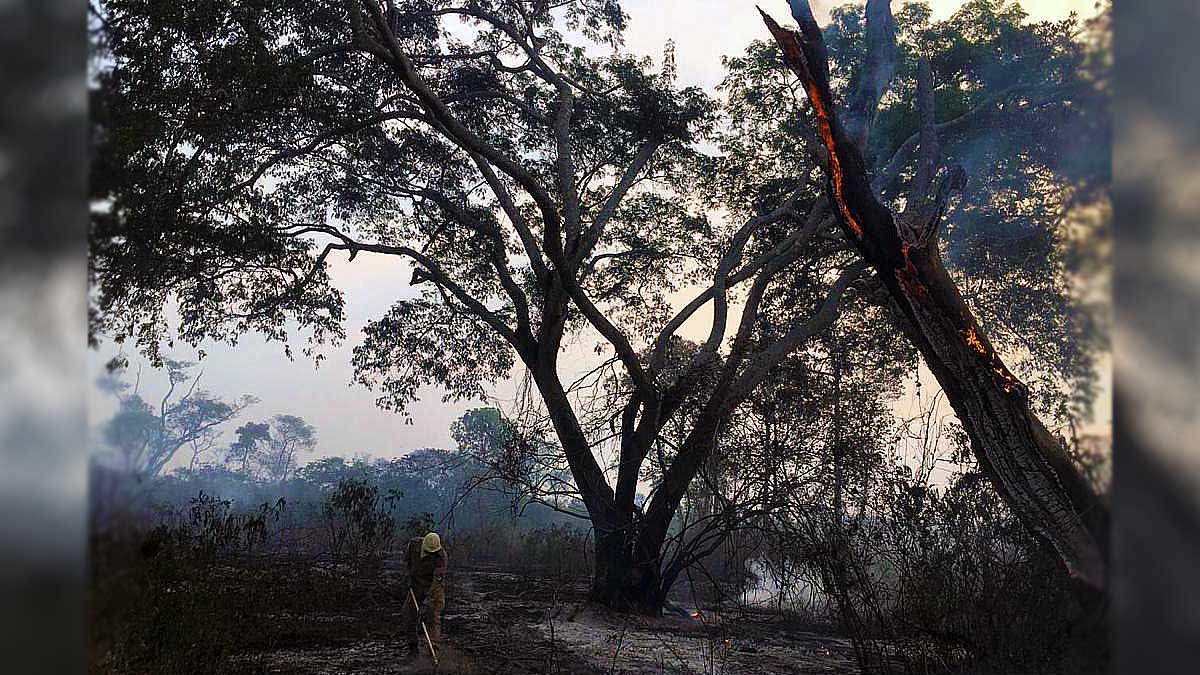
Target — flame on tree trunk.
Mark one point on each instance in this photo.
(1027, 465)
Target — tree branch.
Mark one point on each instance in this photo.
(628, 178)
(430, 266)
(720, 293)
(454, 129)
(824, 317)
(518, 220)
(811, 226)
(875, 75)
(891, 170)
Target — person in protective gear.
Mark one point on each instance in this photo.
(427, 562)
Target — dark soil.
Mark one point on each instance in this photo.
(167, 614)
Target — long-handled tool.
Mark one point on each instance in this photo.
(417, 609)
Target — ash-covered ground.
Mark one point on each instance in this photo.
(505, 623)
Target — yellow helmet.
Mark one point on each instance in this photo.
(431, 543)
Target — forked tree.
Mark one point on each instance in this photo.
(146, 438)
(542, 193)
(539, 194)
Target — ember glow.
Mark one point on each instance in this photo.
(1008, 382)
(825, 128)
(907, 274)
(974, 342)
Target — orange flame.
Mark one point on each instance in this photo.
(906, 275)
(974, 342)
(1007, 381)
(825, 129)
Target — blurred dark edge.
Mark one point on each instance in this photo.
(1156, 465)
(42, 249)
(43, 135)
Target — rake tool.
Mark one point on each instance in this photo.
(417, 609)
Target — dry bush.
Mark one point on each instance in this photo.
(360, 525)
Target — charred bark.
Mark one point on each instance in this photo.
(1026, 464)
(628, 575)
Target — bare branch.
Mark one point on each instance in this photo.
(568, 191)
(497, 251)
(615, 336)
(732, 257)
(824, 317)
(875, 75)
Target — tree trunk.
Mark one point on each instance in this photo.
(627, 577)
(1024, 462)
(1027, 465)
(628, 571)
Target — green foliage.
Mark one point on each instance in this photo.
(1025, 112)
(426, 342)
(231, 138)
(270, 449)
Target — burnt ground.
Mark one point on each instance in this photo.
(168, 611)
(504, 623)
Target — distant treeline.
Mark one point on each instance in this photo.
(449, 488)
(152, 457)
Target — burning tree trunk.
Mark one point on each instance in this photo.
(1023, 460)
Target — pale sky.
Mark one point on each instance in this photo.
(345, 415)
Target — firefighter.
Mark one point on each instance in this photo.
(426, 561)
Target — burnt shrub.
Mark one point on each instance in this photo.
(360, 524)
(179, 598)
(210, 528)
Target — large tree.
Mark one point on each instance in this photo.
(539, 193)
(543, 190)
(891, 194)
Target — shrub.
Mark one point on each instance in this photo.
(360, 525)
(210, 528)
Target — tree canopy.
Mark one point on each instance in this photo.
(545, 186)
(145, 438)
